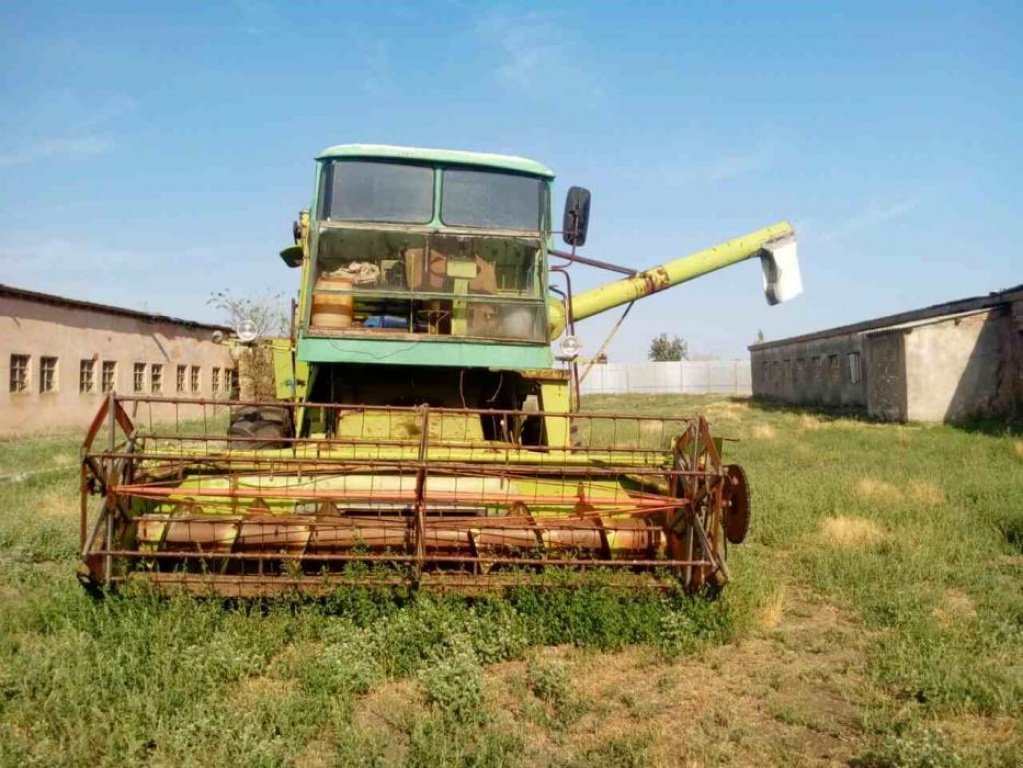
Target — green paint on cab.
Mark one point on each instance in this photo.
(446, 351)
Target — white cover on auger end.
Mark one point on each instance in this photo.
(780, 262)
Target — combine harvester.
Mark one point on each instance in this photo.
(422, 431)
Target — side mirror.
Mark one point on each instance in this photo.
(292, 255)
(577, 216)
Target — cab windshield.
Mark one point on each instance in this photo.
(403, 193)
(492, 200)
(358, 190)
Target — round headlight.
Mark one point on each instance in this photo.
(246, 331)
(571, 346)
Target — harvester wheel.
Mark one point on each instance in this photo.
(737, 504)
(271, 423)
(273, 413)
(255, 435)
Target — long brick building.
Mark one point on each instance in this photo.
(60, 356)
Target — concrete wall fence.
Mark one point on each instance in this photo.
(693, 377)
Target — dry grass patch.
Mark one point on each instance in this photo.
(926, 492)
(976, 733)
(763, 432)
(770, 612)
(725, 410)
(252, 693)
(56, 505)
(850, 424)
(1017, 448)
(854, 532)
(877, 490)
(809, 423)
(651, 431)
(63, 459)
(956, 606)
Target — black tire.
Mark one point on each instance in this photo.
(256, 435)
(274, 413)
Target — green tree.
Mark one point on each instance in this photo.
(664, 349)
(266, 311)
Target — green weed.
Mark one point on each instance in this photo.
(550, 683)
(136, 680)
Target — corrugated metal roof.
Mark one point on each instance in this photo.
(447, 156)
(63, 301)
(934, 312)
(908, 326)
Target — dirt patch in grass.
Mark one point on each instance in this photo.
(386, 713)
(792, 694)
(787, 694)
(977, 734)
(847, 531)
(1017, 448)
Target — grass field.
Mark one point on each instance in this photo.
(875, 619)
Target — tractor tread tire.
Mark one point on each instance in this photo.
(271, 433)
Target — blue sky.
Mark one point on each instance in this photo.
(153, 152)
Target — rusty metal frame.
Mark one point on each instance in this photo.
(185, 506)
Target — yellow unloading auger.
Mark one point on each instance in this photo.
(417, 431)
(775, 245)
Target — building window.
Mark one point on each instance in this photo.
(834, 369)
(138, 377)
(232, 383)
(215, 380)
(156, 377)
(195, 378)
(19, 373)
(854, 367)
(87, 377)
(47, 374)
(108, 376)
(182, 374)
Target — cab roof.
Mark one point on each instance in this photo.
(442, 156)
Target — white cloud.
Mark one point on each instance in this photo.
(870, 217)
(689, 169)
(532, 53)
(729, 167)
(74, 146)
